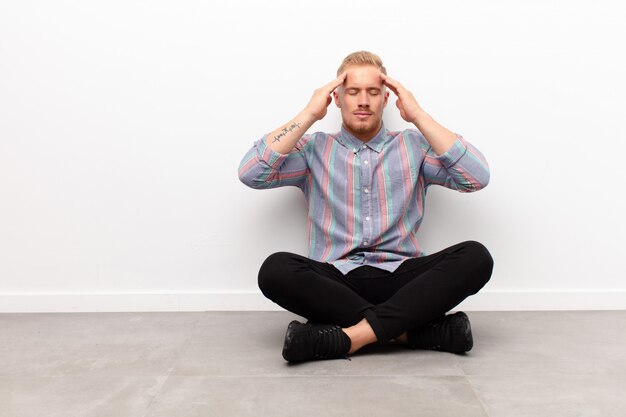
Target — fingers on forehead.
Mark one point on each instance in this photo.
(392, 81)
(392, 86)
(339, 80)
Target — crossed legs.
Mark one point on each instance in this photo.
(372, 305)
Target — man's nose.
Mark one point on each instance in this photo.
(364, 100)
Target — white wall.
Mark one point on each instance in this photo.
(122, 124)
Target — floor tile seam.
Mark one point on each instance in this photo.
(548, 374)
(79, 376)
(480, 400)
(322, 376)
(146, 376)
(180, 354)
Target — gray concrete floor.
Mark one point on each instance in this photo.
(230, 364)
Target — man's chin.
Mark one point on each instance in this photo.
(362, 128)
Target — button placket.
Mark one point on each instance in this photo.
(366, 198)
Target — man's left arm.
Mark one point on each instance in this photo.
(455, 163)
(439, 138)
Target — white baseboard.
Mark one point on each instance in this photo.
(488, 300)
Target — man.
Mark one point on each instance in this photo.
(366, 279)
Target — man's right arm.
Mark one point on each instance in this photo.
(270, 163)
(283, 139)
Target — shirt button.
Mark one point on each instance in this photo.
(354, 150)
(367, 218)
(366, 190)
(366, 242)
(366, 162)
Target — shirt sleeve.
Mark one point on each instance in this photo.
(263, 167)
(462, 168)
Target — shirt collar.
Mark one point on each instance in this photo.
(376, 143)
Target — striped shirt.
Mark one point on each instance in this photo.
(365, 200)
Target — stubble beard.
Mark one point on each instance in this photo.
(363, 128)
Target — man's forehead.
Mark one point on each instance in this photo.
(362, 76)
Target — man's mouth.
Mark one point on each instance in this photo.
(362, 114)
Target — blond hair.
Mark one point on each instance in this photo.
(362, 58)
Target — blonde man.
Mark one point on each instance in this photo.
(365, 279)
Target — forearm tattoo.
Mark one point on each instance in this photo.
(286, 129)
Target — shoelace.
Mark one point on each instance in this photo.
(433, 334)
(430, 335)
(330, 343)
(449, 332)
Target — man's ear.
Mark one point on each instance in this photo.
(336, 97)
(386, 97)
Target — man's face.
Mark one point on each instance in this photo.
(362, 98)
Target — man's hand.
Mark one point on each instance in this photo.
(440, 138)
(318, 105)
(283, 139)
(406, 103)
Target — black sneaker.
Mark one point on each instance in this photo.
(305, 342)
(451, 333)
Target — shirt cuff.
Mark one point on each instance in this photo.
(456, 152)
(271, 157)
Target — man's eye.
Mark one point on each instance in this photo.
(352, 92)
(374, 92)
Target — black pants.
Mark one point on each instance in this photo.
(420, 290)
